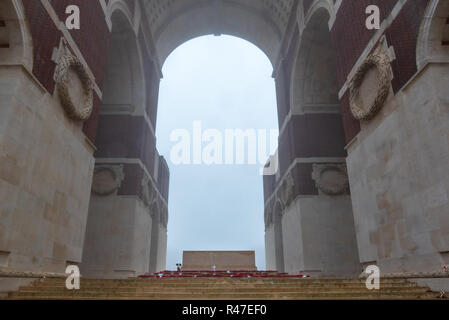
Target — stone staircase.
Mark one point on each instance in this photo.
(204, 288)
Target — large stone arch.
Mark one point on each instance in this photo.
(179, 21)
(430, 46)
(316, 6)
(16, 46)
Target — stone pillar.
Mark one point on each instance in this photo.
(311, 225)
(130, 183)
(46, 162)
(399, 173)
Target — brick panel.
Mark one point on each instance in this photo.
(45, 37)
(349, 33)
(403, 36)
(124, 136)
(93, 37)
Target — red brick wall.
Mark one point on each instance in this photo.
(125, 136)
(350, 37)
(349, 34)
(93, 37)
(92, 40)
(45, 37)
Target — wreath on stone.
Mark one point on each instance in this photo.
(380, 61)
(332, 190)
(66, 63)
(117, 175)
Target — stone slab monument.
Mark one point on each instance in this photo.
(222, 260)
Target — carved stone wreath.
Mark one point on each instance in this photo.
(76, 112)
(381, 61)
(331, 179)
(107, 180)
(147, 190)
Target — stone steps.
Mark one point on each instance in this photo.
(201, 281)
(211, 290)
(222, 289)
(223, 296)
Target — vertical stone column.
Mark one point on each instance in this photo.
(46, 162)
(311, 223)
(131, 181)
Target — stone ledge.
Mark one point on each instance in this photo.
(7, 273)
(410, 275)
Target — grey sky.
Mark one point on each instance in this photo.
(226, 83)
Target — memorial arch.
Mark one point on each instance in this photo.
(363, 116)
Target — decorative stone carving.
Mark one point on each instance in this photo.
(164, 217)
(331, 179)
(147, 191)
(77, 105)
(378, 62)
(286, 191)
(107, 179)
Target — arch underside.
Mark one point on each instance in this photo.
(434, 33)
(314, 84)
(185, 20)
(15, 39)
(123, 89)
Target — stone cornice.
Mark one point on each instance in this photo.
(115, 161)
(318, 160)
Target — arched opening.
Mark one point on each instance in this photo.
(314, 83)
(123, 88)
(214, 205)
(15, 40)
(179, 21)
(433, 41)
